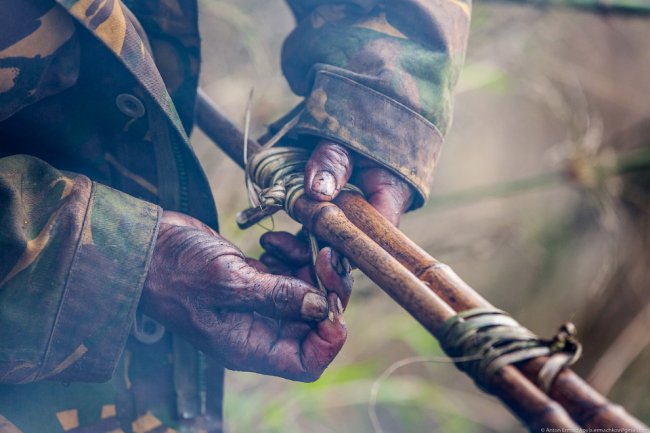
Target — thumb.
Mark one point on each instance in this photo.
(289, 298)
(327, 171)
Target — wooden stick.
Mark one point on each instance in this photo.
(387, 268)
(221, 130)
(585, 404)
(329, 223)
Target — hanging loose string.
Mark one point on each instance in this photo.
(374, 390)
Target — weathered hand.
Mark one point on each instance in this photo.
(203, 288)
(286, 254)
(330, 167)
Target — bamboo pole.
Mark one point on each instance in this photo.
(408, 274)
(585, 404)
(329, 224)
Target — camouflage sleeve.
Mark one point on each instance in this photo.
(378, 77)
(73, 259)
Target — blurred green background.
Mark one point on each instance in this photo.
(527, 207)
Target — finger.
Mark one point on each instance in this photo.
(295, 330)
(251, 342)
(335, 274)
(307, 274)
(257, 265)
(302, 359)
(320, 347)
(386, 192)
(274, 265)
(327, 171)
(283, 297)
(286, 247)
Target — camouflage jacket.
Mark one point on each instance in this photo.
(96, 103)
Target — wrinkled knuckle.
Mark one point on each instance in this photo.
(396, 187)
(338, 157)
(236, 330)
(332, 156)
(338, 154)
(281, 295)
(388, 180)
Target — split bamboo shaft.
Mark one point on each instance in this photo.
(588, 407)
(329, 223)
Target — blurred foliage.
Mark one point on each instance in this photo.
(549, 101)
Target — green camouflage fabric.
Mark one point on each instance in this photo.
(61, 229)
(80, 93)
(96, 103)
(378, 77)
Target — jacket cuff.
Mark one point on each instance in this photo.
(103, 287)
(374, 125)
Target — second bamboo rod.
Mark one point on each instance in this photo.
(586, 405)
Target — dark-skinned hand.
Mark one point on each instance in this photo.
(332, 165)
(203, 288)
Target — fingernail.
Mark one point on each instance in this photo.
(339, 306)
(323, 183)
(314, 307)
(332, 300)
(337, 264)
(346, 265)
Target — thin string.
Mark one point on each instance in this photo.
(253, 192)
(283, 131)
(374, 390)
(247, 122)
(250, 186)
(313, 243)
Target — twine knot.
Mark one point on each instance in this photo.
(483, 340)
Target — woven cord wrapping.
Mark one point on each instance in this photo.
(485, 339)
(275, 180)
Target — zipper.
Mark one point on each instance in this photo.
(183, 190)
(184, 207)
